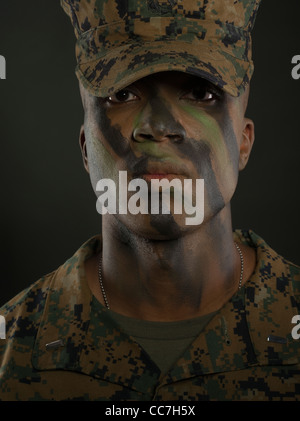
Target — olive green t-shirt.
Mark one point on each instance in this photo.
(164, 342)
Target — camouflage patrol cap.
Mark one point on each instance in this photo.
(121, 41)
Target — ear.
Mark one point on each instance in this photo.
(82, 144)
(248, 137)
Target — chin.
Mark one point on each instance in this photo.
(157, 227)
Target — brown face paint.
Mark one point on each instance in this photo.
(225, 123)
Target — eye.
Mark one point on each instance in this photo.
(203, 94)
(122, 96)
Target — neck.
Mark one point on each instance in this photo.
(170, 280)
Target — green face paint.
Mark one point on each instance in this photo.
(212, 128)
(153, 149)
(137, 119)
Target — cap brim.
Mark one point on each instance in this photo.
(120, 67)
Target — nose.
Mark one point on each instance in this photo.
(156, 123)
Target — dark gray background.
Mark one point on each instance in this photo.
(48, 208)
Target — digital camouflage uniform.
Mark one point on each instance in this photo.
(231, 359)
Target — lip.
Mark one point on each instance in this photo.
(158, 170)
(149, 177)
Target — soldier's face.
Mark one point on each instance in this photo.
(168, 123)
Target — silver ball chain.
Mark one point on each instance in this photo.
(101, 283)
(242, 264)
(104, 293)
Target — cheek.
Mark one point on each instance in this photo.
(214, 153)
(101, 155)
(230, 123)
(109, 132)
(217, 133)
(117, 127)
(101, 163)
(108, 144)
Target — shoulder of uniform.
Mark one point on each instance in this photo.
(24, 310)
(294, 273)
(276, 273)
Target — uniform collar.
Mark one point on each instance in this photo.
(91, 341)
(236, 337)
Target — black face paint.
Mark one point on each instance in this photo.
(111, 133)
(225, 124)
(199, 153)
(162, 120)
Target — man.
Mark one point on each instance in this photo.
(155, 308)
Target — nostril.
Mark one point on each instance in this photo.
(175, 137)
(158, 137)
(157, 134)
(146, 136)
(140, 137)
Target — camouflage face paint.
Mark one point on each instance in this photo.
(110, 152)
(200, 138)
(209, 124)
(193, 149)
(219, 133)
